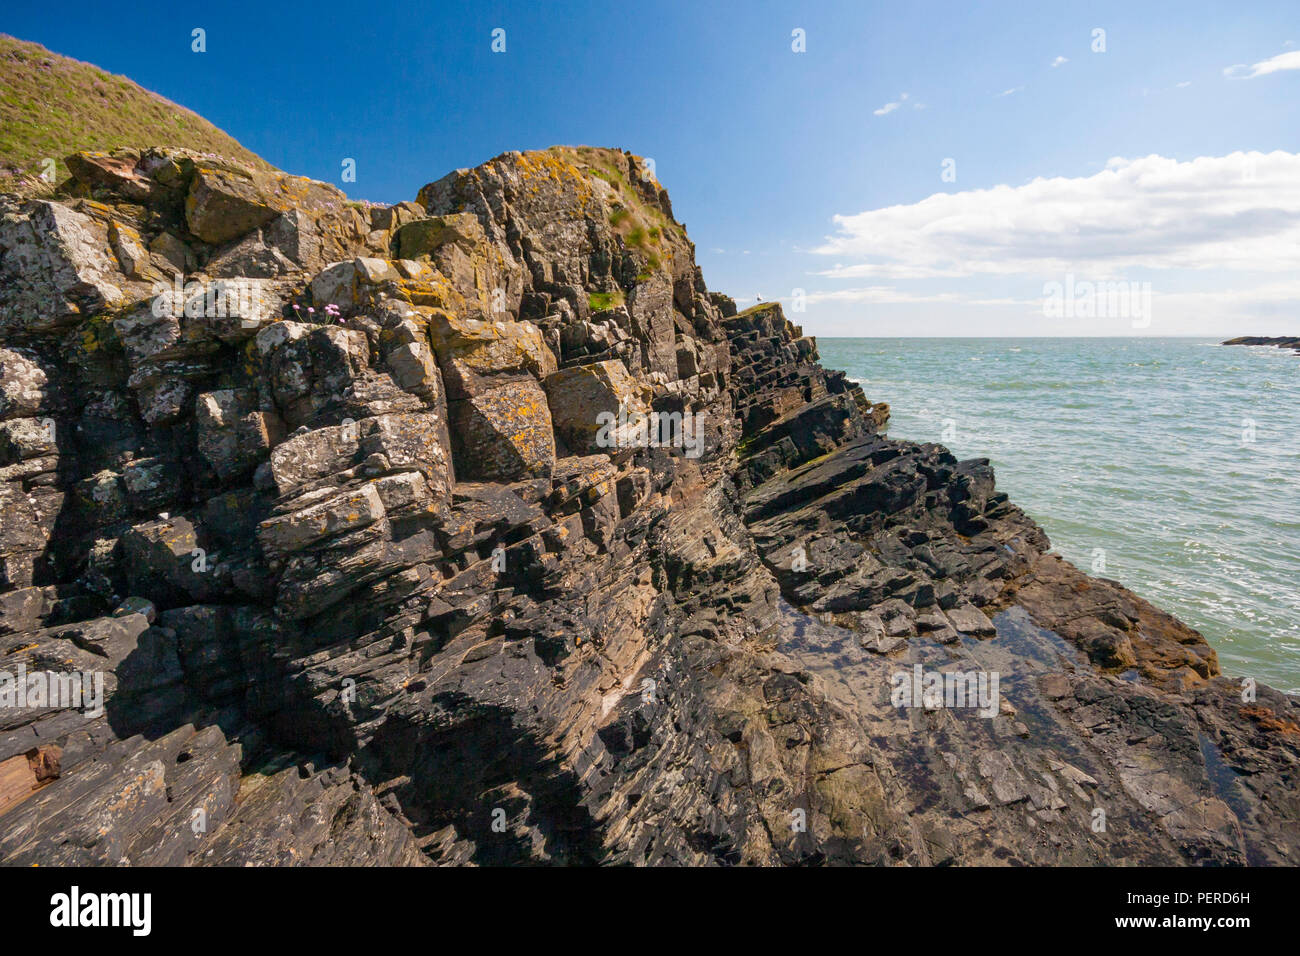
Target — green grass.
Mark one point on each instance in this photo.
(600, 301)
(758, 307)
(52, 106)
(634, 211)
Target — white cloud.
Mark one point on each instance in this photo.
(1014, 89)
(1238, 212)
(1261, 300)
(1059, 60)
(1183, 85)
(890, 107)
(1276, 64)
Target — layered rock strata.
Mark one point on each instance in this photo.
(476, 530)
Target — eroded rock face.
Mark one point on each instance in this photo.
(57, 267)
(344, 542)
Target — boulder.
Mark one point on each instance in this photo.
(579, 396)
(424, 237)
(133, 258)
(413, 440)
(473, 351)
(152, 332)
(224, 204)
(102, 497)
(235, 309)
(117, 172)
(24, 388)
(55, 267)
(414, 368)
(24, 438)
(968, 619)
(314, 454)
(503, 433)
(152, 483)
(233, 434)
(168, 250)
(354, 284)
(227, 201)
(165, 560)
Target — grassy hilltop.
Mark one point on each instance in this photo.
(51, 106)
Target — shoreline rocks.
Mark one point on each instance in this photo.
(1279, 341)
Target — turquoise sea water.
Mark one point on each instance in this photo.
(1173, 460)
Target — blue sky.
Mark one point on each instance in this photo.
(790, 169)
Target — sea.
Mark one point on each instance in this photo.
(1168, 464)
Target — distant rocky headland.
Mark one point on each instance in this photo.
(478, 530)
(1280, 341)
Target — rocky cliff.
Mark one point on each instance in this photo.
(476, 530)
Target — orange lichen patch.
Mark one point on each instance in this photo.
(555, 165)
(432, 291)
(1266, 719)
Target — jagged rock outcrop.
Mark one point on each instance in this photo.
(477, 530)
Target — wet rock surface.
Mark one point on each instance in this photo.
(476, 530)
